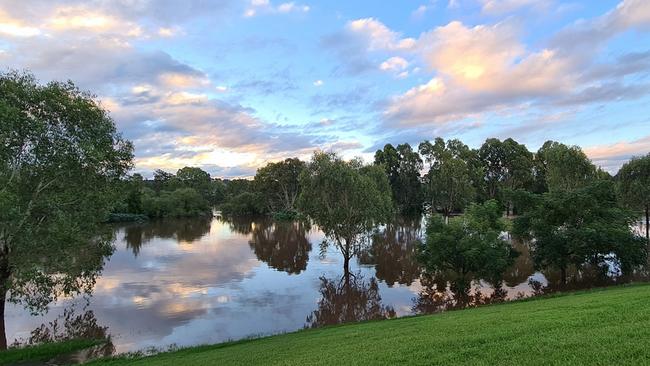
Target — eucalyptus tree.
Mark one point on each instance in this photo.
(580, 226)
(60, 160)
(565, 167)
(345, 199)
(279, 184)
(634, 187)
(451, 176)
(508, 166)
(403, 166)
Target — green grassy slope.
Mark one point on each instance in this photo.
(42, 353)
(601, 327)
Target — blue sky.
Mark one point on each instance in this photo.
(230, 85)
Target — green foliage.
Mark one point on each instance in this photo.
(60, 161)
(634, 186)
(345, 199)
(451, 178)
(565, 167)
(469, 246)
(581, 226)
(244, 204)
(402, 166)
(182, 202)
(279, 185)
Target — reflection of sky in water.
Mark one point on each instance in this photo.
(194, 285)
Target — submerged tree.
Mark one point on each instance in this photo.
(581, 227)
(345, 199)
(60, 160)
(468, 247)
(634, 187)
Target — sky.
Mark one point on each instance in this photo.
(229, 85)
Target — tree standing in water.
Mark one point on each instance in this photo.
(60, 157)
(634, 187)
(345, 199)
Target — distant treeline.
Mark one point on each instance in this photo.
(439, 176)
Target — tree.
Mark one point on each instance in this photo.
(402, 166)
(60, 161)
(565, 167)
(279, 184)
(469, 246)
(345, 199)
(508, 166)
(634, 187)
(449, 180)
(578, 227)
(197, 179)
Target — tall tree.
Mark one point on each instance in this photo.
(402, 166)
(578, 227)
(566, 167)
(345, 199)
(197, 179)
(279, 184)
(634, 187)
(450, 179)
(60, 160)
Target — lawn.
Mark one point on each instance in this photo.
(599, 327)
(42, 353)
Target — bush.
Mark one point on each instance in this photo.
(246, 203)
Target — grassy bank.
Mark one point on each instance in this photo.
(44, 352)
(599, 327)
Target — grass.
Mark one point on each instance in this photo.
(43, 352)
(598, 327)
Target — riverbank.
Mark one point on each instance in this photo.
(597, 327)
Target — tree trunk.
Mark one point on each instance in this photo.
(647, 222)
(4, 281)
(563, 275)
(3, 335)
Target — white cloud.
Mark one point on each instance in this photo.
(378, 36)
(496, 7)
(318, 83)
(394, 64)
(257, 7)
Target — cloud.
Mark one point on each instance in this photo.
(318, 83)
(394, 64)
(611, 156)
(378, 36)
(257, 7)
(497, 7)
(487, 68)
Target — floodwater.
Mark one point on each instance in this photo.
(186, 282)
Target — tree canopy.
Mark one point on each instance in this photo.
(61, 158)
(634, 187)
(344, 198)
(580, 227)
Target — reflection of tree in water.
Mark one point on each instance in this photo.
(282, 245)
(439, 294)
(241, 224)
(185, 229)
(73, 326)
(350, 299)
(393, 251)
